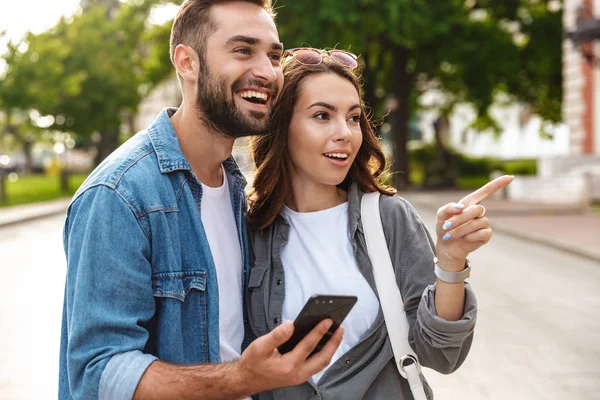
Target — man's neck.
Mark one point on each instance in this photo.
(204, 150)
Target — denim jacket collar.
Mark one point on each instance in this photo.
(166, 145)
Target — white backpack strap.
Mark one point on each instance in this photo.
(389, 294)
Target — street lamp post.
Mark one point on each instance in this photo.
(586, 32)
(4, 171)
(2, 186)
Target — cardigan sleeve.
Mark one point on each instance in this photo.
(439, 344)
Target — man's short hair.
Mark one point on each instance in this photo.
(193, 24)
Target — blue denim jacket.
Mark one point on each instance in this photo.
(141, 282)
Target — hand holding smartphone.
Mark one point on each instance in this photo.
(316, 309)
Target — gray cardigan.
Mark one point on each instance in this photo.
(367, 371)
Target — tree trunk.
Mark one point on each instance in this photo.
(108, 143)
(441, 173)
(401, 88)
(27, 146)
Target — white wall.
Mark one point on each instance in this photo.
(518, 140)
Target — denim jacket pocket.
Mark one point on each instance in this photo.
(181, 316)
(258, 288)
(178, 285)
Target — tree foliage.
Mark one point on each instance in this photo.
(468, 50)
(90, 71)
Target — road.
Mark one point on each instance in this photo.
(32, 268)
(537, 334)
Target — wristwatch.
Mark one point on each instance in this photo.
(452, 277)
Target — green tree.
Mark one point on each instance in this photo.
(469, 50)
(89, 72)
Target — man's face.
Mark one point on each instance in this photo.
(240, 74)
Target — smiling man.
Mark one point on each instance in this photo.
(156, 240)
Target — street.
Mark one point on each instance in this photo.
(32, 265)
(537, 335)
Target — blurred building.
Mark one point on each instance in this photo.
(576, 176)
(166, 94)
(581, 80)
(568, 154)
(520, 131)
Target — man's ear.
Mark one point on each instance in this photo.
(186, 62)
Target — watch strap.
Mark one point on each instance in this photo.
(452, 277)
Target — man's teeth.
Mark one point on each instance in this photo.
(337, 155)
(251, 93)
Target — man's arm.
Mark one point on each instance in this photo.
(108, 295)
(260, 368)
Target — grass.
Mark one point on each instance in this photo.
(464, 182)
(596, 207)
(35, 188)
(474, 182)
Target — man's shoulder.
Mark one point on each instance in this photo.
(131, 167)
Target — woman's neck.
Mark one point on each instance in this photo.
(315, 197)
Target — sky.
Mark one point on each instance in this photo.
(20, 16)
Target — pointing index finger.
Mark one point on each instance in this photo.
(486, 190)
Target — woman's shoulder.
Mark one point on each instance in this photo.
(396, 204)
(397, 211)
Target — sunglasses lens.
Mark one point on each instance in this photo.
(308, 57)
(344, 58)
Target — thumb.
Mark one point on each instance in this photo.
(277, 336)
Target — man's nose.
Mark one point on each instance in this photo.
(265, 70)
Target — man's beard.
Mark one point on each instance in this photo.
(216, 108)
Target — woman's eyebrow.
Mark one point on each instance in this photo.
(322, 104)
(331, 107)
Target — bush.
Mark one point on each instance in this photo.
(470, 171)
(424, 157)
(520, 167)
(475, 167)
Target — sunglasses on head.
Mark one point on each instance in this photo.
(311, 56)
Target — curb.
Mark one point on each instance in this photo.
(32, 212)
(532, 237)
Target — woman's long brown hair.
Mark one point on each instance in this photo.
(271, 184)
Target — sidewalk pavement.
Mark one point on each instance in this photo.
(574, 229)
(569, 228)
(16, 214)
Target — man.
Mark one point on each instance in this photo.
(156, 240)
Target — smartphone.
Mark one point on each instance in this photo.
(316, 309)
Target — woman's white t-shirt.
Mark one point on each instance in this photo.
(318, 259)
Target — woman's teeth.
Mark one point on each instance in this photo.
(337, 155)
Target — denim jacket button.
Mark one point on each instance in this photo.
(276, 321)
(278, 282)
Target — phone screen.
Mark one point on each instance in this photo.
(316, 309)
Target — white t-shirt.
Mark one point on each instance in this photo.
(221, 230)
(318, 259)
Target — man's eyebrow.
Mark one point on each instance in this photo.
(251, 41)
(242, 39)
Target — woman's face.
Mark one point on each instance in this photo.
(324, 134)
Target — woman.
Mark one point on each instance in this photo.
(312, 170)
